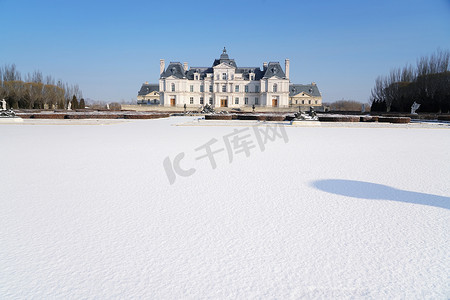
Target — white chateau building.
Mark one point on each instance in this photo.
(224, 84)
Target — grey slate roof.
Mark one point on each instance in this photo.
(274, 69)
(176, 69)
(224, 59)
(148, 88)
(310, 89)
(201, 70)
(245, 71)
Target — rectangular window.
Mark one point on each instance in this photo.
(256, 100)
(202, 88)
(236, 88)
(173, 87)
(210, 88)
(256, 88)
(191, 100)
(201, 100)
(224, 88)
(236, 100)
(224, 76)
(246, 88)
(210, 100)
(218, 76)
(316, 101)
(303, 101)
(192, 88)
(246, 100)
(309, 101)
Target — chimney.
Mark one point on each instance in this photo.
(286, 66)
(264, 65)
(185, 66)
(161, 66)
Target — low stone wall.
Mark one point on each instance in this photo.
(91, 115)
(156, 108)
(394, 119)
(339, 118)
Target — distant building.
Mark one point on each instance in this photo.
(149, 94)
(224, 84)
(304, 95)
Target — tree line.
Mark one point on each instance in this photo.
(37, 92)
(347, 105)
(428, 84)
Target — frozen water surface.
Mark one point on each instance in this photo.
(87, 211)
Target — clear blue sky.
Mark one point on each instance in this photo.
(109, 48)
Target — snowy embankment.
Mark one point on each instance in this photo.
(88, 211)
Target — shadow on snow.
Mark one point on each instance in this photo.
(367, 190)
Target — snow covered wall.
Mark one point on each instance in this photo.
(89, 211)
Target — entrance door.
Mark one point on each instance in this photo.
(172, 102)
(223, 103)
(274, 102)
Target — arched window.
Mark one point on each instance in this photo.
(173, 87)
(275, 87)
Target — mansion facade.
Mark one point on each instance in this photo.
(224, 84)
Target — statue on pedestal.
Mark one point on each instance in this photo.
(415, 106)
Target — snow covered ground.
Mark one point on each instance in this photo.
(135, 209)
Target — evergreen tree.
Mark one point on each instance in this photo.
(82, 104)
(74, 102)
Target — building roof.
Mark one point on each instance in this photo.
(274, 69)
(310, 89)
(148, 88)
(202, 71)
(176, 69)
(224, 59)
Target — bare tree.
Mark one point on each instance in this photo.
(10, 73)
(428, 84)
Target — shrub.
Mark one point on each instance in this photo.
(275, 118)
(394, 119)
(218, 117)
(368, 119)
(444, 118)
(48, 116)
(339, 118)
(146, 116)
